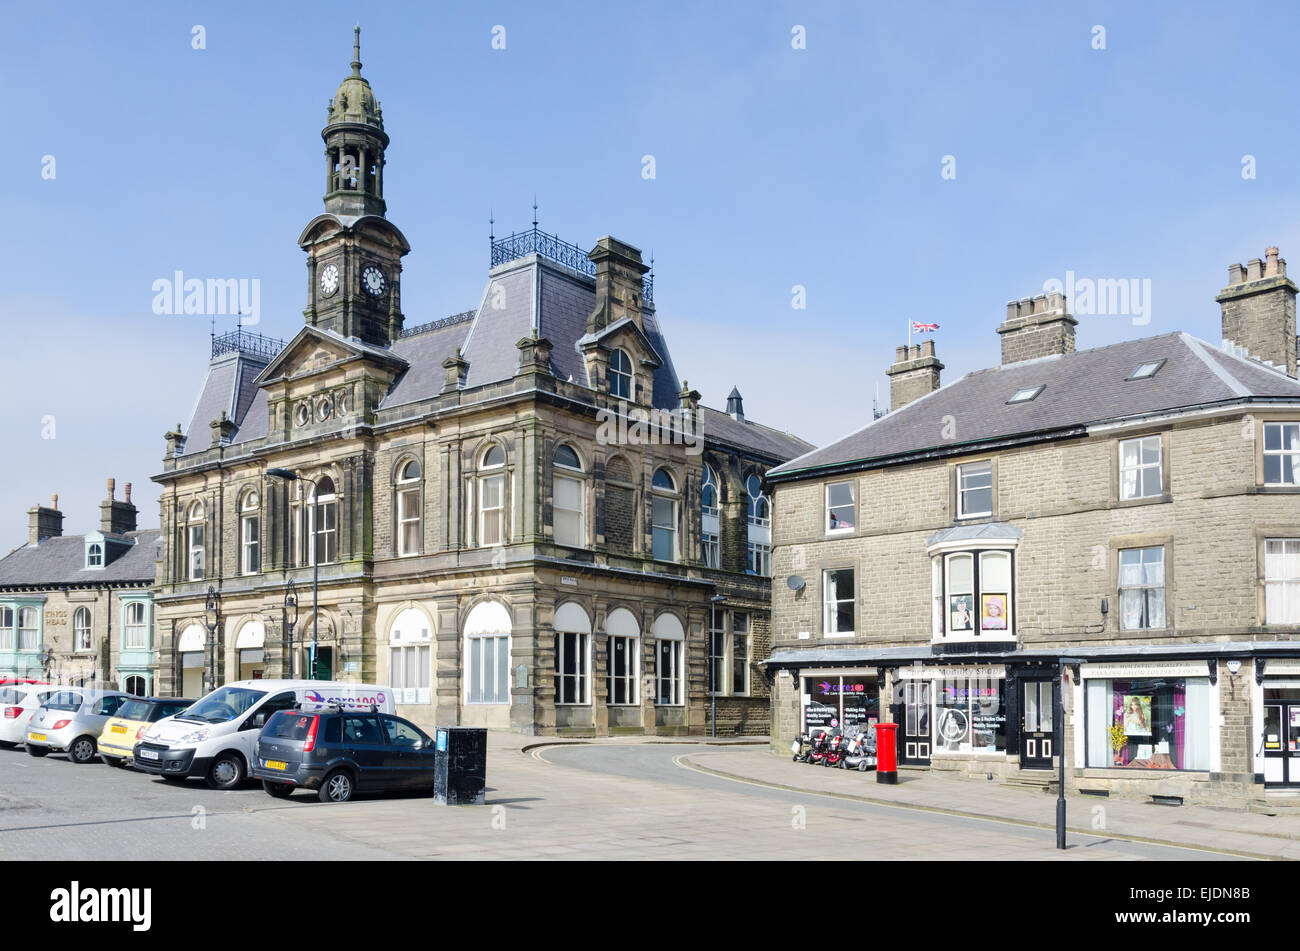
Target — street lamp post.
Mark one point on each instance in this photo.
(288, 476)
(290, 615)
(211, 611)
(1059, 741)
(714, 601)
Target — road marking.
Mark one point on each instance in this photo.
(679, 760)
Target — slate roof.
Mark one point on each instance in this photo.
(1080, 389)
(229, 387)
(62, 560)
(719, 427)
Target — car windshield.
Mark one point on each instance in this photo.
(162, 710)
(134, 710)
(222, 705)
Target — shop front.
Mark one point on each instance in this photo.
(1149, 716)
(846, 700)
(950, 715)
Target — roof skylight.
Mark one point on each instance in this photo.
(1147, 370)
(1026, 394)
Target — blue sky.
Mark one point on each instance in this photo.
(775, 167)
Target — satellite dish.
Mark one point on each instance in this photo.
(795, 583)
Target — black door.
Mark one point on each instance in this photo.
(1036, 739)
(914, 744)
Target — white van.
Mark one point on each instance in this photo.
(216, 737)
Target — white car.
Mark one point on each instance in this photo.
(17, 704)
(216, 738)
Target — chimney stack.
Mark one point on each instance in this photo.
(1258, 311)
(915, 372)
(43, 523)
(1037, 327)
(116, 518)
(619, 274)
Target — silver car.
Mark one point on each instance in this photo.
(71, 720)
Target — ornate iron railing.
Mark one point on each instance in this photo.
(536, 241)
(460, 318)
(244, 341)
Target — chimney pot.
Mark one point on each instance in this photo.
(128, 491)
(112, 485)
(1236, 273)
(54, 501)
(1261, 320)
(1254, 269)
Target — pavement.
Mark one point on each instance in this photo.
(615, 799)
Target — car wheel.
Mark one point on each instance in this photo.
(278, 790)
(336, 787)
(227, 772)
(37, 750)
(82, 750)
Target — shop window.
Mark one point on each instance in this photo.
(975, 490)
(1142, 588)
(841, 510)
(670, 660)
(1282, 453)
(1139, 468)
(572, 667)
(1282, 581)
(837, 596)
(970, 715)
(623, 673)
(849, 703)
(1155, 723)
(487, 647)
(410, 658)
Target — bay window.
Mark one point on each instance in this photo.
(136, 633)
(29, 634)
(972, 594)
(6, 628)
(1282, 453)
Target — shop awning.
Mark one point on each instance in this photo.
(895, 656)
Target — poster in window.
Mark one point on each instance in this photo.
(960, 606)
(993, 612)
(1137, 715)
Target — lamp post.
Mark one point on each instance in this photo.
(288, 476)
(714, 601)
(1059, 741)
(290, 615)
(211, 613)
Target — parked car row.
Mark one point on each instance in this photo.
(336, 739)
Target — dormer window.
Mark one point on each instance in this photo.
(95, 556)
(1025, 395)
(620, 375)
(1147, 370)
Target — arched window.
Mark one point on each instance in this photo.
(760, 527)
(572, 654)
(570, 496)
(620, 375)
(135, 686)
(709, 523)
(664, 516)
(195, 540)
(250, 646)
(304, 517)
(136, 633)
(670, 670)
(492, 497)
(95, 556)
(624, 657)
(487, 649)
(408, 508)
(250, 533)
(81, 630)
(410, 640)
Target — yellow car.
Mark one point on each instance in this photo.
(123, 731)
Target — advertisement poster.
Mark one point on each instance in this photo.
(961, 605)
(993, 612)
(1137, 715)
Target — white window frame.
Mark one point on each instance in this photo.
(30, 633)
(474, 655)
(250, 518)
(8, 627)
(852, 503)
(195, 537)
(1144, 589)
(82, 634)
(962, 489)
(1282, 580)
(626, 376)
(736, 638)
(1140, 468)
(717, 646)
(710, 523)
(630, 678)
(667, 497)
(1281, 453)
(576, 480)
(760, 559)
(135, 633)
(404, 642)
(577, 684)
(408, 491)
(669, 654)
(95, 555)
(831, 604)
(326, 535)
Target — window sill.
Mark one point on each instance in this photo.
(839, 635)
(1270, 489)
(836, 532)
(1143, 500)
(972, 516)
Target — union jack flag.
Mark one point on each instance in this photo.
(918, 328)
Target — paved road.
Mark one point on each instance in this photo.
(621, 802)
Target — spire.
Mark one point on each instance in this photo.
(356, 52)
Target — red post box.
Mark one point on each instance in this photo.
(886, 753)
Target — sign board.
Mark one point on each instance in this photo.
(351, 666)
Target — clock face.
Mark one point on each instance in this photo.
(329, 279)
(372, 279)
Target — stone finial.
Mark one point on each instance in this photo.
(456, 369)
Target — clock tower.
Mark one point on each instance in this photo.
(354, 255)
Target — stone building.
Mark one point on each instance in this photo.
(520, 514)
(78, 608)
(1114, 528)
